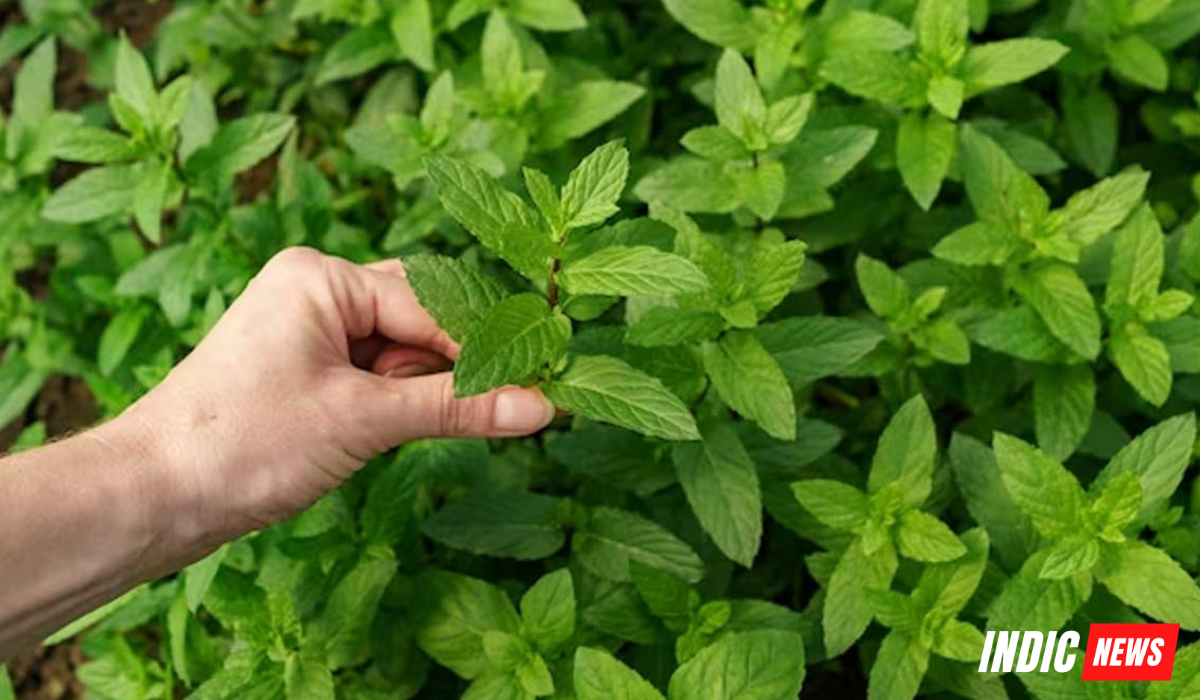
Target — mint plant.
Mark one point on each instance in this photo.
(871, 324)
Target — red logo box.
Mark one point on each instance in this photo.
(1124, 652)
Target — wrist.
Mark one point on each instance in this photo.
(163, 501)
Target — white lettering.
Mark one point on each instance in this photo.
(1069, 640)
(1136, 651)
(1155, 654)
(1006, 649)
(987, 650)
(1101, 657)
(1031, 646)
(1046, 658)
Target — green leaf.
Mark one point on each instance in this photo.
(945, 589)
(516, 337)
(906, 453)
(979, 243)
(722, 22)
(593, 188)
(1010, 61)
(1159, 457)
(945, 95)
(739, 102)
(1135, 59)
(240, 144)
(762, 187)
(665, 326)
(898, 669)
(599, 676)
(1143, 360)
(1185, 677)
(1063, 302)
(117, 339)
(924, 149)
(498, 218)
(999, 190)
(846, 612)
(925, 538)
(875, 75)
(1042, 487)
(548, 611)
(545, 196)
(1090, 121)
(838, 505)
(1117, 505)
(633, 271)
(454, 614)
(721, 485)
(1070, 556)
(714, 143)
(1149, 580)
(1021, 333)
(133, 81)
(307, 679)
(412, 28)
(88, 144)
(1064, 400)
(749, 379)
(457, 294)
(859, 30)
(691, 185)
(941, 27)
(149, 198)
(514, 525)
(1091, 213)
(762, 664)
(612, 539)
(199, 576)
(343, 627)
(959, 641)
(810, 348)
(94, 194)
(886, 293)
(1030, 602)
(608, 390)
(548, 15)
(32, 103)
(787, 117)
(1137, 263)
(581, 108)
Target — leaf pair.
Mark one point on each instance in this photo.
(1089, 535)
(923, 623)
(884, 519)
(471, 627)
(944, 71)
(913, 321)
(765, 664)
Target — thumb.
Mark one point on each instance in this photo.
(425, 406)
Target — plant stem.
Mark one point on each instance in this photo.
(552, 289)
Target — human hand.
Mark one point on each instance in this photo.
(318, 366)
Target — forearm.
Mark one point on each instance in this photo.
(82, 521)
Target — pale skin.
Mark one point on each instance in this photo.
(318, 366)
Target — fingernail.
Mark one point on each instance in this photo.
(522, 411)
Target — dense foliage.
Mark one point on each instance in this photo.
(872, 320)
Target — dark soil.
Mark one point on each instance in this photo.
(47, 674)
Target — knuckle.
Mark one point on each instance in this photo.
(295, 261)
(462, 417)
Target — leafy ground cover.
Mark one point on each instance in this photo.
(872, 322)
